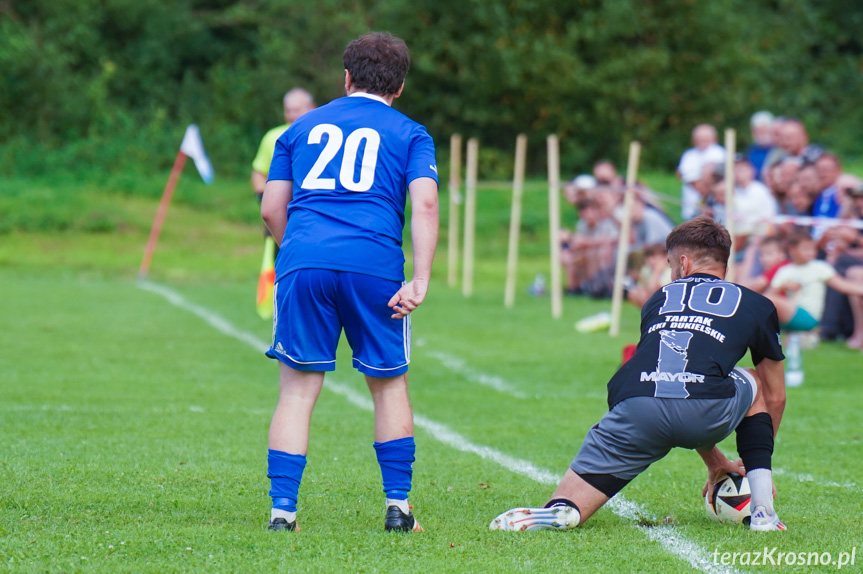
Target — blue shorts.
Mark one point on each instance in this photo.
(312, 306)
(801, 321)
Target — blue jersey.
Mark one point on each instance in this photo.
(351, 162)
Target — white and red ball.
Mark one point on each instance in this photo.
(730, 501)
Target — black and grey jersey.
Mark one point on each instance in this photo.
(693, 333)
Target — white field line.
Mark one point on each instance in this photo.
(669, 537)
(802, 477)
(218, 323)
(122, 410)
(449, 437)
(459, 366)
(115, 410)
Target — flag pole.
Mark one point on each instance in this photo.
(160, 214)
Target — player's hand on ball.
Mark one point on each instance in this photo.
(408, 298)
(715, 472)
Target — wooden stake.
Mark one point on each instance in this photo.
(455, 201)
(554, 285)
(623, 241)
(730, 151)
(515, 220)
(160, 214)
(469, 217)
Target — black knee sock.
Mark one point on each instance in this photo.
(755, 441)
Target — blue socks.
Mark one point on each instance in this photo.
(396, 459)
(285, 472)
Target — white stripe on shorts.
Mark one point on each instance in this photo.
(406, 338)
(379, 368)
(749, 379)
(275, 312)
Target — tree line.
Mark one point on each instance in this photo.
(114, 81)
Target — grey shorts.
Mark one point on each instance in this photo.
(638, 431)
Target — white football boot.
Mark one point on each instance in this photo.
(554, 518)
(762, 521)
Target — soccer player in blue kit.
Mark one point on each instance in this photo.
(335, 203)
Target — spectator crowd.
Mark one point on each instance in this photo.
(798, 226)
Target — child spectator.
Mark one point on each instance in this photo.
(771, 257)
(797, 289)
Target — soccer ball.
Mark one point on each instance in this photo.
(730, 500)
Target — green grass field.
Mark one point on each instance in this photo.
(134, 422)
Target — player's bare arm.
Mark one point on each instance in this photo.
(771, 375)
(424, 231)
(274, 207)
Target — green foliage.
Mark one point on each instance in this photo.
(113, 82)
(100, 203)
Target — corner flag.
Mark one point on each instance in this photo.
(192, 147)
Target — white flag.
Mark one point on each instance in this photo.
(193, 147)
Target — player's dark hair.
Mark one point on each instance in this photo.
(378, 63)
(702, 237)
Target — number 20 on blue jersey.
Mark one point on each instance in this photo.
(347, 172)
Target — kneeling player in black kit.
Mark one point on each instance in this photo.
(682, 389)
